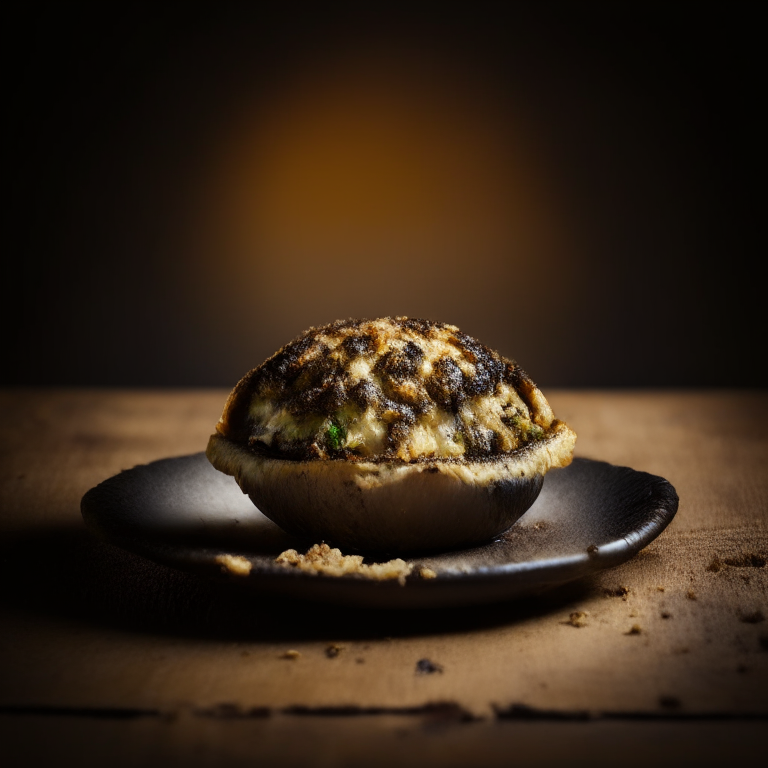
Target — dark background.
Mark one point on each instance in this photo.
(577, 185)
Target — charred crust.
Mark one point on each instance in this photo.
(446, 384)
(398, 432)
(329, 374)
(400, 426)
(306, 401)
(331, 398)
(480, 442)
(283, 368)
(364, 394)
(400, 364)
(357, 346)
(489, 371)
(472, 348)
(414, 353)
(425, 328)
(512, 374)
(525, 387)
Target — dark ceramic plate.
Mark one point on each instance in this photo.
(184, 513)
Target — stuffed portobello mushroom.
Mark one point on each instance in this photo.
(390, 435)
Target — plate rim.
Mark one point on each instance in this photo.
(417, 591)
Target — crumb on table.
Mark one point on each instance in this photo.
(577, 619)
(427, 667)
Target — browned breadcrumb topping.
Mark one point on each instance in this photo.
(386, 389)
(322, 559)
(236, 564)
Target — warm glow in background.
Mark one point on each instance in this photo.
(569, 187)
(379, 186)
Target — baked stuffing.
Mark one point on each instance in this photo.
(389, 414)
(392, 389)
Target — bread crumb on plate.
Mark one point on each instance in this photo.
(236, 564)
(321, 558)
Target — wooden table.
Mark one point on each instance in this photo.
(107, 658)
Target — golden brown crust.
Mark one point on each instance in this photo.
(391, 389)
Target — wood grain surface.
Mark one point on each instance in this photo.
(107, 656)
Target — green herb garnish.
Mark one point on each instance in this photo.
(335, 436)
